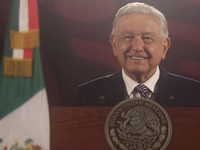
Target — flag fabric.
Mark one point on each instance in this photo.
(24, 113)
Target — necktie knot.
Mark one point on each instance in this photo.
(143, 90)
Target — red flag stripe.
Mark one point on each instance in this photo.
(33, 23)
(28, 53)
(33, 14)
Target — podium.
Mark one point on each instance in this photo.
(82, 128)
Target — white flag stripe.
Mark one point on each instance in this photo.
(18, 53)
(31, 120)
(23, 25)
(23, 16)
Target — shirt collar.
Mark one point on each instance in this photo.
(131, 84)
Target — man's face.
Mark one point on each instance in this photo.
(138, 45)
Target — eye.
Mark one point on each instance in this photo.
(147, 39)
(128, 38)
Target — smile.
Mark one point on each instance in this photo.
(137, 58)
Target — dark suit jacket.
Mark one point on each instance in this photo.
(172, 90)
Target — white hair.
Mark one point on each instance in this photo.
(141, 8)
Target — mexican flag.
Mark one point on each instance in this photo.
(24, 113)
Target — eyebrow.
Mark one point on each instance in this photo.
(128, 32)
(148, 33)
(143, 33)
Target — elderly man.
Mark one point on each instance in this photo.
(140, 41)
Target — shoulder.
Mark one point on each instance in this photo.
(102, 81)
(90, 93)
(181, 85)
(183, 81)
(177, 79)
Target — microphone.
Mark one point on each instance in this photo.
(102, 99)
(172, 99)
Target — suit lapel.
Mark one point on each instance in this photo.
(118, 91)
(165, 91)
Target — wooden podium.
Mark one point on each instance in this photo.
(82, 128)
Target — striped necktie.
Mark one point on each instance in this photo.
(143, 90)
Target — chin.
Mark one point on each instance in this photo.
(136, 72)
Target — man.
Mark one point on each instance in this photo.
(140, 41)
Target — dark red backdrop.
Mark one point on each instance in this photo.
(75, 44)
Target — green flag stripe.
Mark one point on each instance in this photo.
(14, 16)
(13, 24)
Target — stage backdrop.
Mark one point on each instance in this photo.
(75, 45)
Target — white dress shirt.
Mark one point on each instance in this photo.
(131, 84)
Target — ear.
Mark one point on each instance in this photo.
(114, 44)
(166, 45)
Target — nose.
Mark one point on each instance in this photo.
(137, 44)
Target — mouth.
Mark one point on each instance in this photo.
(137, 58)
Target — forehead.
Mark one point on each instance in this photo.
(139, 23)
